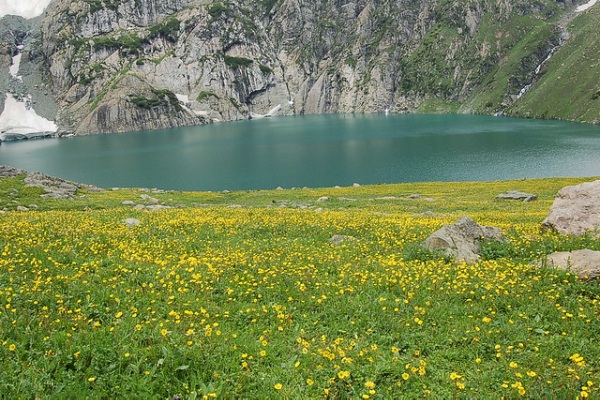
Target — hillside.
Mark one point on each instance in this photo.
(120, 65)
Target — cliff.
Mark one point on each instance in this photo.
(122, 65)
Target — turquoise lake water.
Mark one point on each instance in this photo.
(319, 151)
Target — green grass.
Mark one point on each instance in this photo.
(241, 295)
(568, 87)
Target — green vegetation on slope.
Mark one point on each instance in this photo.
(570, 85)
(241, 295)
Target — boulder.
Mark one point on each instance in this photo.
(462, 240)
(583, 263)
(516, 195)
(576, 209)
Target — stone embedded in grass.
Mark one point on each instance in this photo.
(156, 207)
(462, 240)
(339, 239)
(131, 222)
(576, 209)
(149, 199)
(517, 195)
(583, 263)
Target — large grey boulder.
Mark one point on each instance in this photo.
(583, 263)
(576, 209)
(462, 240)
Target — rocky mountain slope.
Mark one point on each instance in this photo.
(121, 65)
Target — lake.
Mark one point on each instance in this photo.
(319, 151)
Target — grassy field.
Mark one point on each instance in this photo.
(242, 295)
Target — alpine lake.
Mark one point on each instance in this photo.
(318, 151)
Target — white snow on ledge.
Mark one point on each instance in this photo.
(20, 118)
(24, 8)
(585, 6)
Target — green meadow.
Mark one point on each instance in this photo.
(243, 295)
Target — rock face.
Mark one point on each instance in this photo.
(583, 263)
(462, 240)
(576, 209)
(124, 65)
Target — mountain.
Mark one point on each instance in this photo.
(122, 65)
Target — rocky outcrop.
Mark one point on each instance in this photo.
(576, 209)
(55, 188)
(462, 240)
(583, 263)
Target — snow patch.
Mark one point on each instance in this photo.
(24, 8)
(13, 69)
(585, 6)
(21, 119)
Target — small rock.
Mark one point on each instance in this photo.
(356, 185)
(235, 206)
(339, 239)
(346, 199)
(323, 198)
(414, 197)
(131, 222)
(128, 203)
(139, 207)
(278, 188)
(516, 195)
(21, 208)
(386, 198)
(583, 263)
(34, 206)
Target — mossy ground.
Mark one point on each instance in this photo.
(206, 300)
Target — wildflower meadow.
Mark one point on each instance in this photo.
(243, 295)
